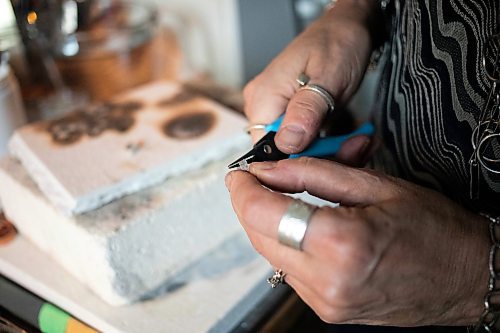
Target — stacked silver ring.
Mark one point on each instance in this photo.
(303, 81)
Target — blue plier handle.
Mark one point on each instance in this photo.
(265, 149)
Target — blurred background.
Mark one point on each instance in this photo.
(61, 54)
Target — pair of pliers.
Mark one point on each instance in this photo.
(265, 149)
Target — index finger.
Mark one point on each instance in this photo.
(266, 100)
(327, 180)
(256, 206)
(260, 210)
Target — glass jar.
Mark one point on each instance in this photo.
(118, 47)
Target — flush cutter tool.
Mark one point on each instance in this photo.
(265, 149)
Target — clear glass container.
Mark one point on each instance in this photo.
(117, 47)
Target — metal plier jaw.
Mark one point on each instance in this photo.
(264, 150)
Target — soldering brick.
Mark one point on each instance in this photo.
(136, 140)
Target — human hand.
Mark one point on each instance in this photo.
(393, 253)
(334, 53)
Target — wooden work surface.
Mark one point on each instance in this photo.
(215, 296)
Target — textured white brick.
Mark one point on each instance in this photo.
(131, 246)
(94, 170)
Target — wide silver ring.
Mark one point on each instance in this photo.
(293, 224)
(303, 81)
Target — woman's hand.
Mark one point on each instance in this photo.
(393, 253)
(334, 53)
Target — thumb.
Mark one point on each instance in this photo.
(303, 118)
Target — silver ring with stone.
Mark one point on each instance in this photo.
(303, 79)
(277, 278)
(293, 224)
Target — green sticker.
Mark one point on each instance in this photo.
(51, 319)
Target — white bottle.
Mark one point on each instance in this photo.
(12, 113)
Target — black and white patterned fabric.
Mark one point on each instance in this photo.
(432, 91)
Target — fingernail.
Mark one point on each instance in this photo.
(262, 166)
(228, 179)
(291, 136)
